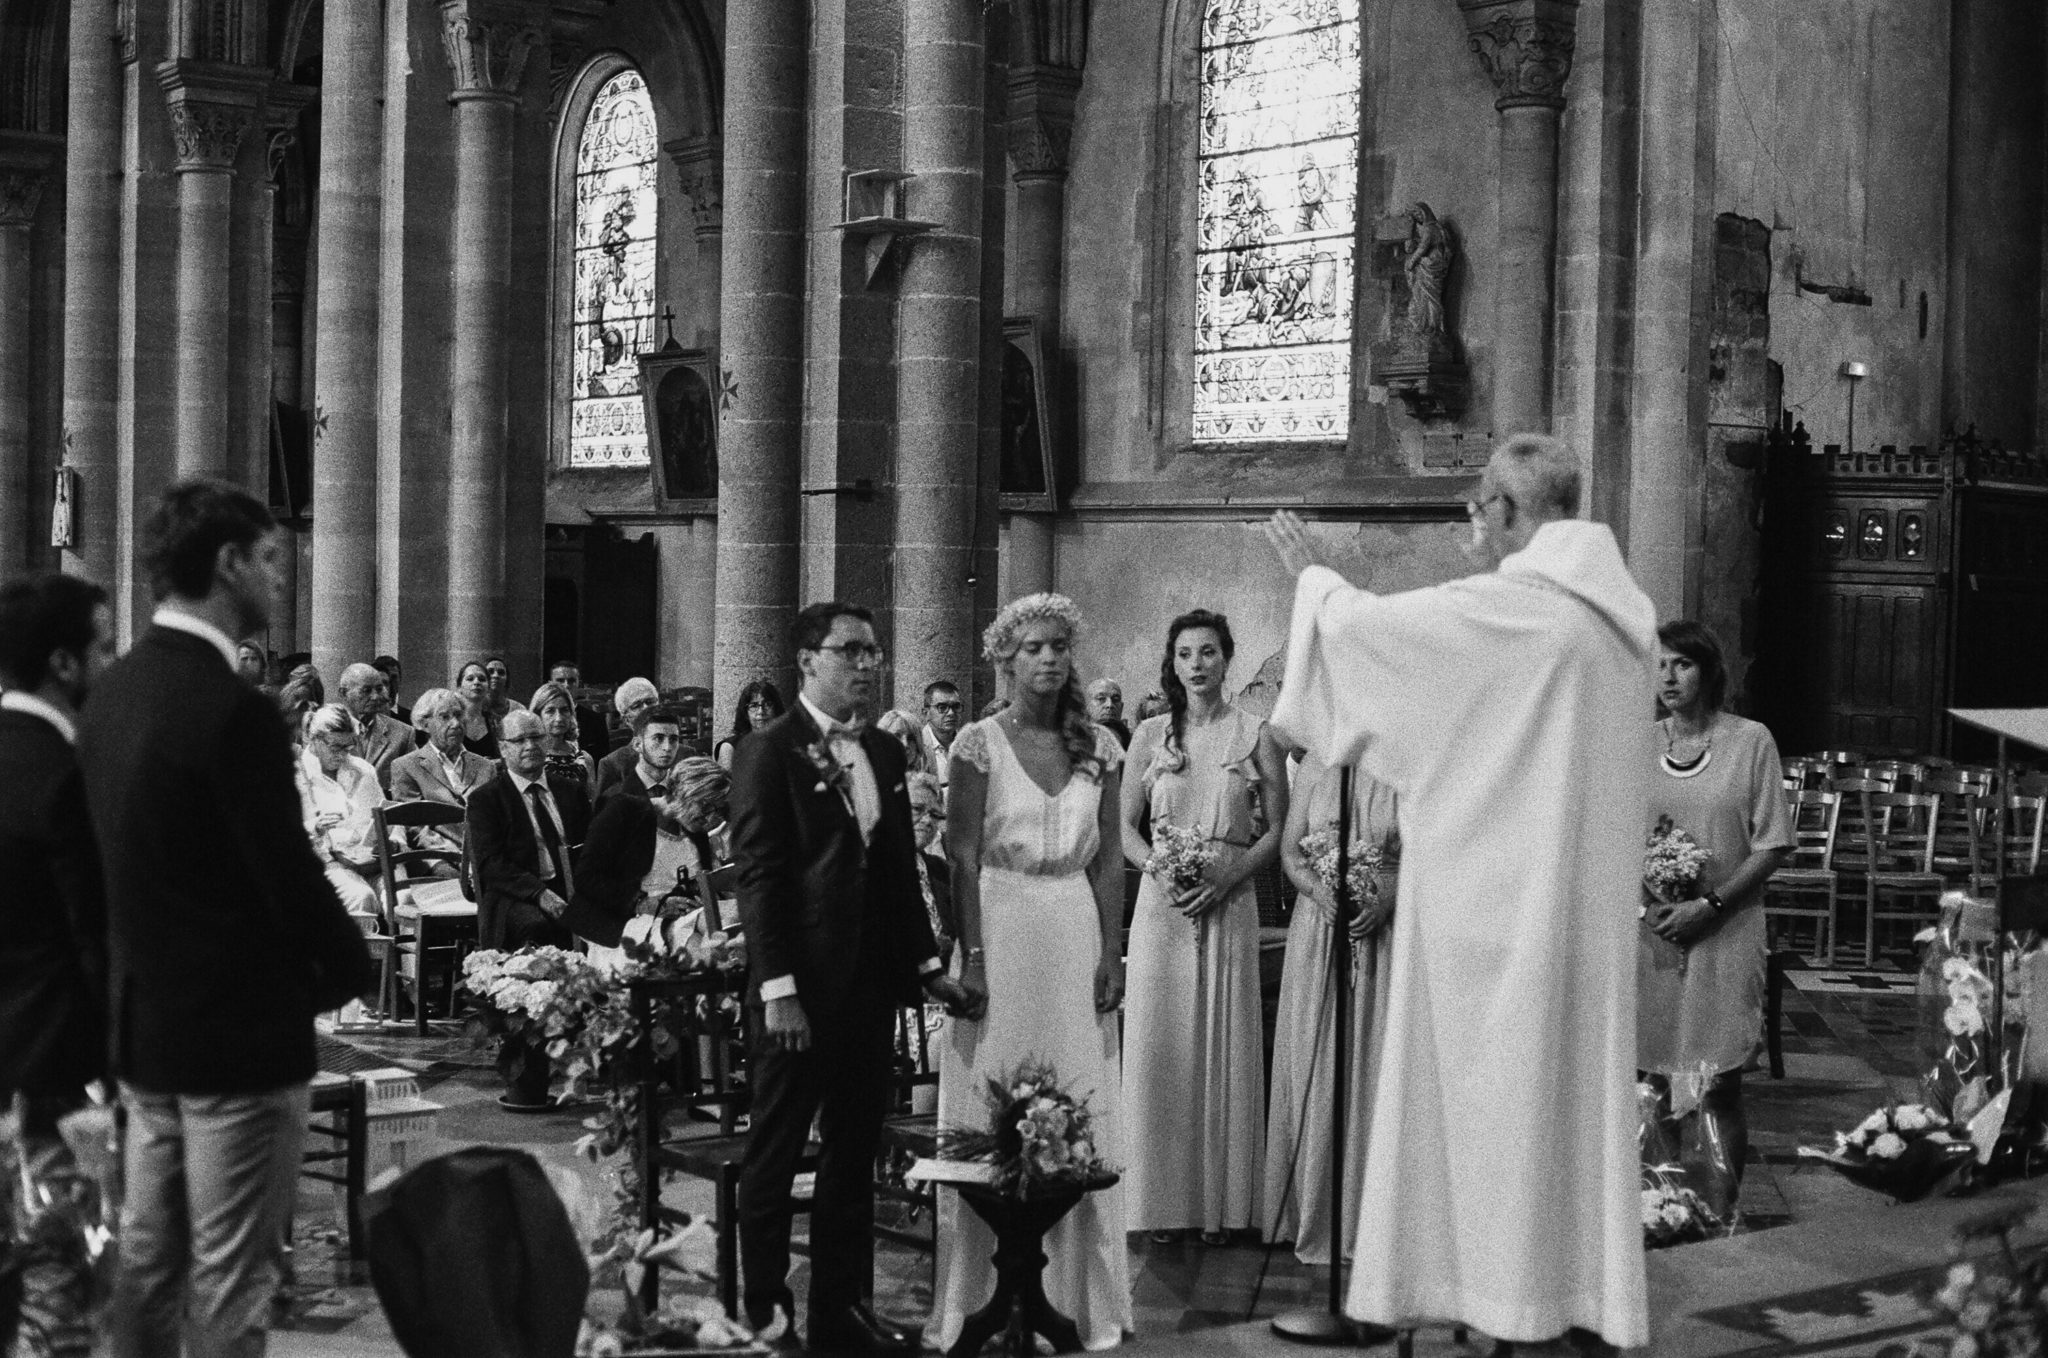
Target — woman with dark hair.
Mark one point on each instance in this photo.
(479, 722)
(1700, 963)
(760, 703)
(1193, 1048)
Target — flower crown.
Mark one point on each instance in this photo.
(1004, 635)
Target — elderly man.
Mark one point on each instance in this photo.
(1506, 709)
(634, 697)
(942, 709)
(1106, 705)
(440, 771)
(524, 828)
(381, 737)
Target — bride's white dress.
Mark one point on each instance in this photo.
(1041, 939)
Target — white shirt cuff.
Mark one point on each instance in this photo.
(778, 988)
(931, 966)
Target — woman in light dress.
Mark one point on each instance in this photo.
(338, 798)
(1297, 1192)
(1194, 1091)
(1701, 962)
(1038, 895)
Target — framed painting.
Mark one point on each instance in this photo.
(677, 391)
(1027, 479)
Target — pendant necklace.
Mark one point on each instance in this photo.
(1686, 768)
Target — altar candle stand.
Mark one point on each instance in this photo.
(1019, 1307)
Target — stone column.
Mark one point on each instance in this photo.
(278, 378)
(92, 286)
(213, 104)
(487, 45)
(1040, 126)
(761, 344)
(1526, 47)
(700, 169)
(939, 349)
(25, 159)
(349, 208)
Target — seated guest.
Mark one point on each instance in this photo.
(634, 697)
(301, 692)
(388, 665)
(366, 693)
(934, 876)
(1106, 705)
(441, 771)
(338, 797)
(479, 723)
(642, 850)
(760, 703)
(252, 663)
(557, 713)
(503, 704)
(910, 734)
(592, 735)
(524, 827)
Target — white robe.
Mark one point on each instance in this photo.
(1510, 712)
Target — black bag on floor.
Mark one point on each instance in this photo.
(473, 1256)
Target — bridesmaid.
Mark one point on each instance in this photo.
(1194, 1091)
(1297, 1197)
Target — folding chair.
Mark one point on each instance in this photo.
(453, 920)
(1805, 887)
(1887, 838)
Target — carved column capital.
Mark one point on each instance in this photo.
(281, 120)
(700, 168)
(1041, 122)
(1526, 47)
(487, 43)
(213, 106)
(26, 161)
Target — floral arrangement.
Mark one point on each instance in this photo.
(1674, 1214)
(538, 993)
(1039, 1136)
(1320, 848)
(1903, 1150)
(57, 1219)
(687, 1322)
(1672, 862)
(1996, 1312)
(1180, 855)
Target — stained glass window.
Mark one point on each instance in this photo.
(614, 262)
(1277, 203)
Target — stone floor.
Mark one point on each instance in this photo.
(1822, 1267)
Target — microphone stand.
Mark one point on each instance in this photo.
(1329, 1325)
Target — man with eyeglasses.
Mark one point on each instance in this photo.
(1507, 711)
(837, 939)
(942, 708)
(524, 828)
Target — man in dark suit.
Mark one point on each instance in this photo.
(56, 635)
(837, 939)
(224, 936)
(524, 828)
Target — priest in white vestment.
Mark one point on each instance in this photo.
(1508, 710)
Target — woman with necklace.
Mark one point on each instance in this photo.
(1700, 967)
(479, 725)
(1193, 1045)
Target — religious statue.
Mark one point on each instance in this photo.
(1427, 264)
(1418, 361)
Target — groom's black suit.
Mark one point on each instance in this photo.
(846, 920)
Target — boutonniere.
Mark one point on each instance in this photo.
(831, 773)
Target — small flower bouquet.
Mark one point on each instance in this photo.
(1672, 862)
(1904, 1151)
(1039, 1136)
(1320, 849)
(1672, 1213)
(1180, 855)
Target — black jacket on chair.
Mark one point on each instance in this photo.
(504, 859)
(53, 945)
(224, 937)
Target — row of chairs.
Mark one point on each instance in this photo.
(1898, 851)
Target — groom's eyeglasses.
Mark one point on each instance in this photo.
(859, 652)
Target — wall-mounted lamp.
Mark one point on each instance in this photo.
(1853, 372)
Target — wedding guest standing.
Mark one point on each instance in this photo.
(1194, 1085)
(1297, 1197)
(225, 938)
(760, 703)
(1033, 841)
(1106, 705)
(479, 722)
(1700, 967)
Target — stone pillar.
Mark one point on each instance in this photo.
(280, 289)
(349, 208)
(213, 104)
(1526, 47)
(92, 287)
(25, 159)
(761, 345)
(487, 45)
(939, 349)
(700, 169)
(1041, 124)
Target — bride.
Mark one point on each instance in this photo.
(1038, 892)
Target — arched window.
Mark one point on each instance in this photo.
(613, 259)
(1277, 207)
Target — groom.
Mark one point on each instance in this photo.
(837, 939)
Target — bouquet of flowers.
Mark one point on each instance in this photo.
(1672, 1213)
(1904, 1150)
(1997, 1312)
(1672, 862)
(535, 992)
(58, 1214)
(1320, 848)
(1179, 857)
(1039, 1136)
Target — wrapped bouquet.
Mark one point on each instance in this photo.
(1320, 849)
(1672, 862)
(1672, 1213)
(1904, 1151)
(1038, 1136)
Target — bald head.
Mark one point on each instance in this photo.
(522, 742)
(1530, 480)
(365, 690)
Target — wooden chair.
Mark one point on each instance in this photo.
(440, 928)
(2031, 785)
(1868, 773)
(338, 1110)
(1962, 835)
(1805, 888)
(1887, 839)
(2025, 823)
(1836, 758)
(1801, 774)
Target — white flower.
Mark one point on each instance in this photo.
(1874, 1124)
(1912, 1117)
(1962, 1019)
(1954, 969)
(1888, 1147)
(1965, 1346)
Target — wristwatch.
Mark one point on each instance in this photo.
(1713, 898)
